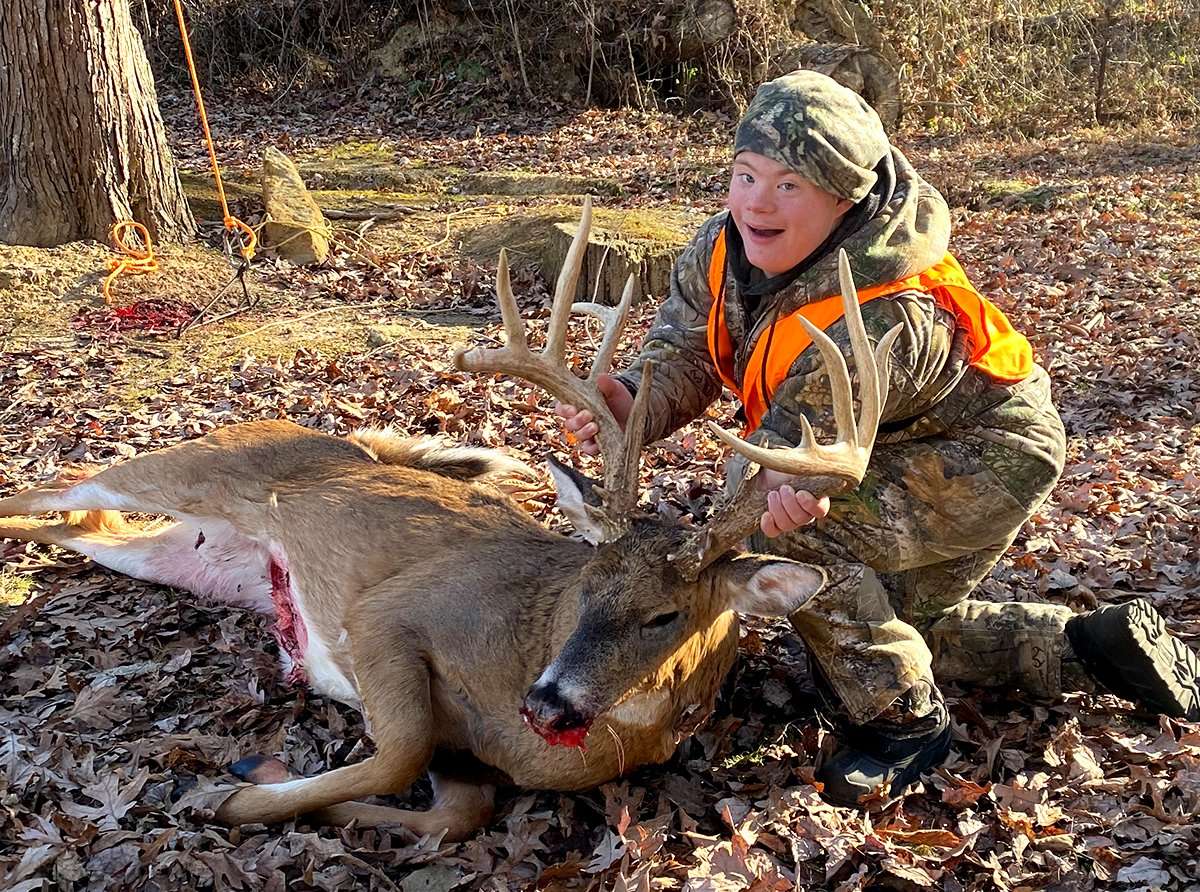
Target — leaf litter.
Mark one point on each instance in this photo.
(121, 703)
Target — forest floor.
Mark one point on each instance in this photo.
(122, 703)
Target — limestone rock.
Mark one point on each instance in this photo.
(297, 230)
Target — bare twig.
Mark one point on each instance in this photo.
(302, 318)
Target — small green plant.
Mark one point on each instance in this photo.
(471, 72)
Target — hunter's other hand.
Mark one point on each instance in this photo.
(582, 426)
(788, 508)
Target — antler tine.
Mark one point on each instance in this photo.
(568, 281)
(614, 321)
(514, 325)
(871, 390)
(825, 469)
(549, 371)
(846, 458)
(621, 470)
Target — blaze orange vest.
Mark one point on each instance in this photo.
(1000, 350)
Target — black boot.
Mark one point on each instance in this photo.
(1128, 649)
(888, 753)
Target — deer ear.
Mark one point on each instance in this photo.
(759, 585)
(577, 500)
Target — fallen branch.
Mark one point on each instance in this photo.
(387, 213)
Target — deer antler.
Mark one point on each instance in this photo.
(822, 469)
(549, 370)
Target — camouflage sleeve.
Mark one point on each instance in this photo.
(685, 381)
(927, 361)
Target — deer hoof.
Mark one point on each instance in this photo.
(260, 769)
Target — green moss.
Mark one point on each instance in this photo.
(450, 328)
(14, 589)
(366, 199)
(373, 174)
(1019, 194)
(201, 192)
(371, 165)
(1005, 188)
(355, 150)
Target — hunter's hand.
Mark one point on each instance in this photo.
(787, 508)
(582, 426)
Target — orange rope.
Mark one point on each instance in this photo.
(231, 223)
(142, 259)
(135, 259)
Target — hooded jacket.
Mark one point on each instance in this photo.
(933, 389)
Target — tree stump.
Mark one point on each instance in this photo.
(609, 261)
(643, 242)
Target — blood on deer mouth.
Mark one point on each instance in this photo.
(557, 733)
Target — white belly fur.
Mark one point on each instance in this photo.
(324, 674)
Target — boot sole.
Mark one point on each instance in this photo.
(1158, 670)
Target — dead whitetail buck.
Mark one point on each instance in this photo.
(473, 639)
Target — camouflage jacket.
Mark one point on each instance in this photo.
(932, 391)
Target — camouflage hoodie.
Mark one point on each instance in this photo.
(933, 389)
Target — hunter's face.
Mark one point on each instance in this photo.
(781, 216)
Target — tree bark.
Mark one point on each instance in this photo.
(82, 142)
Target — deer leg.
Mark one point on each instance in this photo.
(460, 808)
(73, 494)
(205, 556)
(396, 700)
(160, 482)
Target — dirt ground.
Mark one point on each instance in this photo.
(122, 703)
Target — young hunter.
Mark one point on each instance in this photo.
(969, 442)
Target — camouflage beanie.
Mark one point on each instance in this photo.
(823, 131)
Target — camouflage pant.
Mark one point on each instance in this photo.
(905, 550)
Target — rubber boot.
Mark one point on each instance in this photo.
(887, 754)
(1128, 650)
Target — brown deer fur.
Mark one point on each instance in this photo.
(433, 602)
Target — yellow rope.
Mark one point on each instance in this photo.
(142, 260)
(231, 223)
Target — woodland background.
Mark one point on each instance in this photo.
(1064, 136)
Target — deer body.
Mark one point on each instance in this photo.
(445, 582)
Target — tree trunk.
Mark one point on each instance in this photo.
(82, 142)
(700, 26)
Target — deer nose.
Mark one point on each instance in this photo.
(546, 707)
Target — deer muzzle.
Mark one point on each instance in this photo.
(553, 717)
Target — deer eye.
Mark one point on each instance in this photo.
(663, 619)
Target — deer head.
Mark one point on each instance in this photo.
(653, 591)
